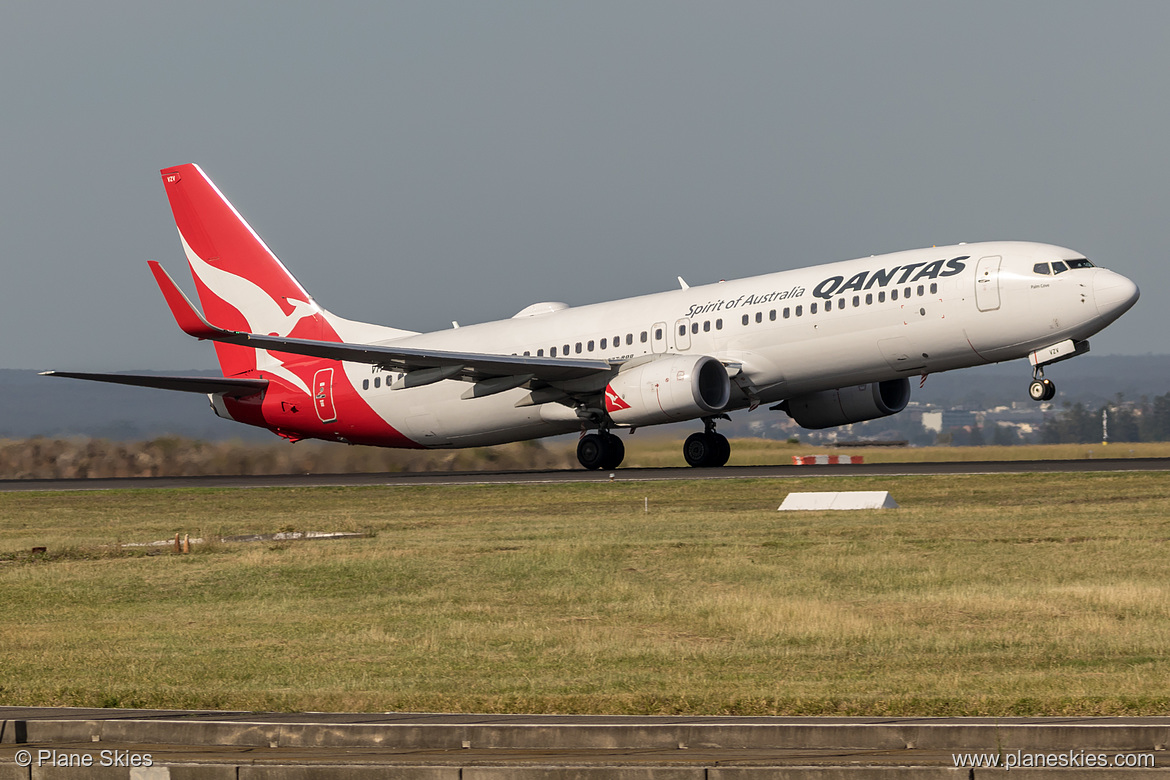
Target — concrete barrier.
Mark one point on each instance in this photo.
(853, 499)
(257, 746)
(600, 733)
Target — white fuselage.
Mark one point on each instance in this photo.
(787, 333)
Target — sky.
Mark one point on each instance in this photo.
(417, 163)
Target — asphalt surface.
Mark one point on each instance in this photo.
(581, 475)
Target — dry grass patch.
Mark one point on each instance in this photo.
(1024, 594)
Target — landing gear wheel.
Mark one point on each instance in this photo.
(706, 450)
(722, 449)
(600, 451)
(591, 451)
(697, 450)
(615, 451)
(1042, 390)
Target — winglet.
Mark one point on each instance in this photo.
(188, 318)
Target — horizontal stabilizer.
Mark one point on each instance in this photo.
(191, 322)
(236, 388)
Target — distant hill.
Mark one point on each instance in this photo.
(43, 406)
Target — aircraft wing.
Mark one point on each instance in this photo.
(443, 364)
(190, 384)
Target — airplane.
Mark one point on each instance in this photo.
(829, 344)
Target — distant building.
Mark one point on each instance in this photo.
(946, 419)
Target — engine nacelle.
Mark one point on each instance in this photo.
(844, 405)
(668, 389)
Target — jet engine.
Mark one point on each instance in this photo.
(668, 389)
(844, 405)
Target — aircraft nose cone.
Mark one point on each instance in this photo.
(1113, 293)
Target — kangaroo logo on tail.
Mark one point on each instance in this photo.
(241, 283)
(262, 313)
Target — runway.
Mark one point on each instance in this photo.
(580, 475)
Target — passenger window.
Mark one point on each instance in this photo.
(798, 310)
(829, 305)
(906, 293)
(745, 319)
(540, 353)
(589, 346)
(869, 299)
(882, 296)
(719, 324)
(921, 290)
(578, 347)
(1059, 267)
(377, 381)
(527, 353)
(630, 338)
(658, 334)
(759, 317)
(604, 342)
(552, 351)
(682, 330)
(706, 326)
(787, 311)
(856, 301)
(841, 303)
(772, 315)
(812, 308)
(566, 350)
(365, 384)
(933, 288)
(1041, 268)
(893, 295)
(695, 327)
(645, 337)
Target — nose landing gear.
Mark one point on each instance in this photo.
(1041, 389)
(707, 449)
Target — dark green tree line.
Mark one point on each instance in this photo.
(1142, 421)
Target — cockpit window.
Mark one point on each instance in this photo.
(1079, 262)
(1041, 268)
(1059, 267)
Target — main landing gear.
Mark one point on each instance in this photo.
(1041, 389)
(707, 449)
(601, 450)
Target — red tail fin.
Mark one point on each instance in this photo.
(241, 284)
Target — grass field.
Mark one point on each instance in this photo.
(994, 595)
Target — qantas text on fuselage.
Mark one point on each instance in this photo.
(829, 345)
